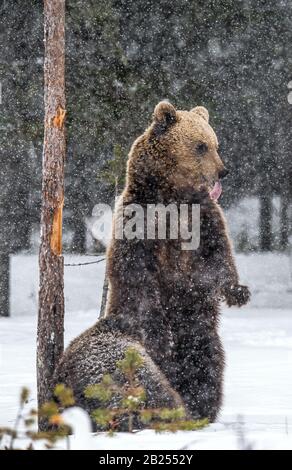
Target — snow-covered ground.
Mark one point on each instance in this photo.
(257, 339)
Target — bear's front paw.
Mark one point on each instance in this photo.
(237, 295)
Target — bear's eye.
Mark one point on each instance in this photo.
(202, 148)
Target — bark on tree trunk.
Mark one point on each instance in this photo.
(4, 285)
(51, 294)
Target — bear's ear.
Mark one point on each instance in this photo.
(201, 111)
(164, 114)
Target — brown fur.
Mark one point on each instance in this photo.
(161, 297)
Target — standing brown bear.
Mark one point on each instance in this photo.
(163, 299)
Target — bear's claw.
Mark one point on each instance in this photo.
(237, 295)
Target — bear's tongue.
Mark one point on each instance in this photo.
(215, 193)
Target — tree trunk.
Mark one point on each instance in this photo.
(23, 231)
(4, 285)
(104, 297)
(51, 294)
(105, 282)
(265, 220)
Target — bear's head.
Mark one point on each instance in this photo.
(179, 150)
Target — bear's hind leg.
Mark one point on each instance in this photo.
(199, 359)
